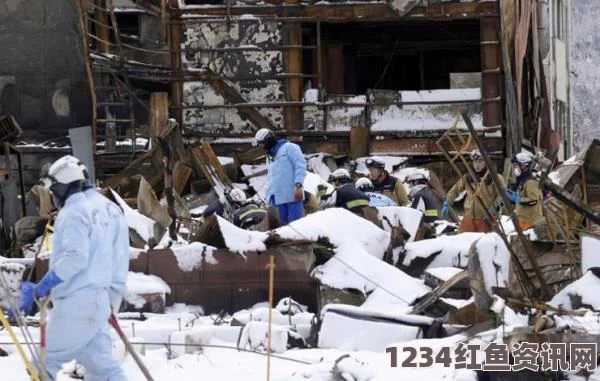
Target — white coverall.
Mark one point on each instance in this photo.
(77, 325)
(119, 247)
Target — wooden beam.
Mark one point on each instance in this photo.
(357, 12)
(293, 116)
(491, 72)
(176, 86)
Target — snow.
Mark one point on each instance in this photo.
(255, 336)
(442, 95)
(141, 284)
(390, 163)
(494, 259)
(189, 257)
(457, 303)
(415, 118)
(404, 216)
(143, 225)
(590, 247)
(226, 160)
(316, 164)
(311, 96)
(341, 227)
(586, 287)
(454, 250)
(338, 330)
(240, 240)
(312, 182)
(444, 273)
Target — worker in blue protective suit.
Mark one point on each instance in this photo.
(376, 200)
(118, 237)
(77, 281)
(285, 176)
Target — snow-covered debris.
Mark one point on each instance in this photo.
(590, 247)
(135, 253)
(312, 182)
(349, 367)
(316, 164)
(494, 259)
(289, 306)
(224, 160)
(348, 327)
(240, 240)
(583, 291)
(255, 336)
(189, 257)
(341, 227)
(450, 251)
(391, 162)
(394, 216)
(142, 225)
(443, 273)
(259, 183)
(141, 284)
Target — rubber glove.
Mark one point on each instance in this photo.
(445, 209)
(513, 197)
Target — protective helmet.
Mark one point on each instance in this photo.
(65, 171)
(339, 174)
(237, 195)
(262, 136)
(375, 162)
(417, 176)
(80, 164)
(523, 158)
(363, 184)
(476, 155)
(351, 165)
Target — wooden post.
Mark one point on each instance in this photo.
(293, 116)
(176, 80)
(271, 281)
(101, 30)
(359, 142)
(491, 79)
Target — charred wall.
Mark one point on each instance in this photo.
(42, 81)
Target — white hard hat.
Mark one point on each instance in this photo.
(375, 161)
(64, 171)
(237, 195)
(79, 163)
(522, 158)
(363, 183)
(339, 174)
(261, 136)
(416, 176)
(476, 155)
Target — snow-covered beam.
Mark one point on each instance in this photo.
(340, 12)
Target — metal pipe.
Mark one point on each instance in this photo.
(317, 104)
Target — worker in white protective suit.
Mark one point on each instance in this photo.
(78, 280)
(118, 238)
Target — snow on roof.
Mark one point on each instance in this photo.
(240, 240)
(143, 225)
(189, 257)
(341, 227)
(586, 287)
(454, 250)
(418, 118)
(409, 218)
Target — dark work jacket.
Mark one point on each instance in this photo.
(348, 197)
(430, 202)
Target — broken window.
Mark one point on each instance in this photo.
(357, 57)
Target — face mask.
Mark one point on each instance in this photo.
(517, 171)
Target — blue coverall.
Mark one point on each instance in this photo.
(286, 168)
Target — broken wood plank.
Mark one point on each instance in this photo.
(439, 291)
(249, 156)
(181, 176)
(210, 234)
(159, 113)
(149, 205)
(359, 142)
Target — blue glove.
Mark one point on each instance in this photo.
(26, 300)
(445, 209)
(49, 281)
(513, 197)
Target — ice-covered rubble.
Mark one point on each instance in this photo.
(449, 251)
(140, 284)
(582, 292)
